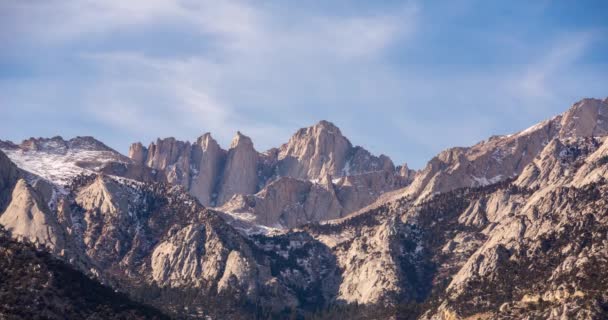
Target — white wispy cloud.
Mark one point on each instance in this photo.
(535, 81)
(127, 70)
(253, 56)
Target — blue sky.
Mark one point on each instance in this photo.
(403, 78)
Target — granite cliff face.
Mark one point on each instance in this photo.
(225, 178)
(513, 227)
(503, 157)
(27, 216)
(240, 173)
(322, 150)
(289, 202)
(207, 169)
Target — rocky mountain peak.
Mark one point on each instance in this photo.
(586, 118)
(326, 127)
(87, 143)
(166, 152)
(55, 144)
(27, 216)
(315, 151)
(206, 141)
(513, 227)
(240, 171)
(59, 145)
(502, 157)
(241, 140)
(138, 153)
(319, 131)
(58, 160)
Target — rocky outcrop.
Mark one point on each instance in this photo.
(214, 175)
(504, 157)
(209, 160)
(528, 234)
(289, 202)
(240, 172)
(176, 259)
(132, 171)
(322, 150)
(314, 152)
(59, 161)
(173, 157)
(157, 235)
(138, 153)
(525, 247)
(406, 172)
(586, 118)
(28, 217)
(358, 191)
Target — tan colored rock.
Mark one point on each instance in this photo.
(105, 196)
(595, 166)
(357, 191)
(406, 172)
(138, 153)
(362, 161)
(238, 274)
(177, 260)
(214, 175)
(287, 202)
(208, 158)
(368, 280)
(173, 157)
(586, 118)
(504, 157)
(315, 151)
(240, 171)
(28, 217)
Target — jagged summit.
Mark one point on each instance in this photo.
(504, 157)
(320, 129)
(57, 144)
(513, 227)
(240, 139)
(58, 160)
(328, 126)
(214, 175)
(588, 117)
(205, 140)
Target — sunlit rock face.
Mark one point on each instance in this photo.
(532, 244)
(27, 216)
(503, 157)
(224, 178)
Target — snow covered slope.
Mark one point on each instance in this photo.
(58, 160)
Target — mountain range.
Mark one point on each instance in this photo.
(513, 227)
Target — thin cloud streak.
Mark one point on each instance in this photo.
(400, 79)
(534, 83)
(204, 88)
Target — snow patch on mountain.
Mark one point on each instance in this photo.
(59, 168)
(58, 160)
